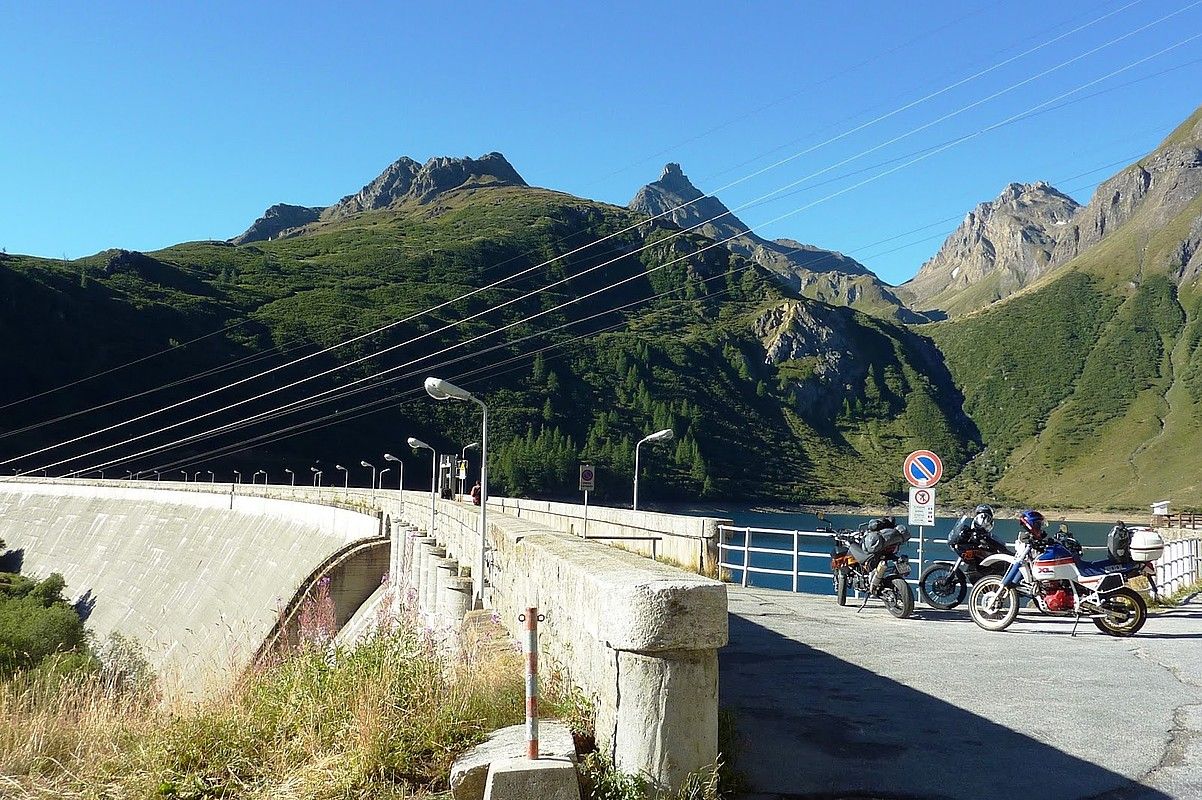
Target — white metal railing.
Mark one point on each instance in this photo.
(1180, 566)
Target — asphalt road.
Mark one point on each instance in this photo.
(834, 704)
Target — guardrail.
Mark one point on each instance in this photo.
(1180, 566)
(1188, 520)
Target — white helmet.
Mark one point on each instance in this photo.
(983, 518)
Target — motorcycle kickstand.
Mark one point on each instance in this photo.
(861, 608)
(1076, 621)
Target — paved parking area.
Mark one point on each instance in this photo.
(830, 703)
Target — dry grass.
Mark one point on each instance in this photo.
(384, 720)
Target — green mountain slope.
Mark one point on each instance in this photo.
(1085, 385)
(771, 395)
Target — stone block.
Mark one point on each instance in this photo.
(470, 772)
(523, 779)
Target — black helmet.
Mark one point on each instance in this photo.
(982, 518)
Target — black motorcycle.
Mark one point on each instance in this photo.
(944, 584)
(868, 560)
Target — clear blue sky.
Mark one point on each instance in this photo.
(141, 125)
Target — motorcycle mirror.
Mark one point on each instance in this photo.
(1063, 528)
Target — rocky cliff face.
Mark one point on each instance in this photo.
(404, 180)
(276, 220)
(1158, 188)
(999, 248)
(806, 269)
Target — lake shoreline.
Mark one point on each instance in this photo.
(1053, 515)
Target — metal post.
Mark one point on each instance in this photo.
(433, 485)
(530, 646)
(586, 513)
(796, 542)
(746, 554)
(920, 538)
(635, 504)
(483, 496)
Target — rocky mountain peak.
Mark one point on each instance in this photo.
(277, 219)
(1000, 247)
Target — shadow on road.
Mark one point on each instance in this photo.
(814, 725)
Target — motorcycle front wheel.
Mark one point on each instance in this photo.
(841, 586)
(992, 605)
(942, 586)
(1126, 612)
(898, 597)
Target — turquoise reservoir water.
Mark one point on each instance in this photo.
(1088, 533)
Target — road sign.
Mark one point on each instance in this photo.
(587, 477)
(463, 470)
(922, 506)
(922, 469)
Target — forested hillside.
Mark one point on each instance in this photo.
(770, 395)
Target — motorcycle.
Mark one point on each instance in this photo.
(868, 561)
(1062, 584)
(944, 584)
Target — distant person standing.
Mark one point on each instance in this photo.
(476, 494)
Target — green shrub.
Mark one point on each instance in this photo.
(36, 622)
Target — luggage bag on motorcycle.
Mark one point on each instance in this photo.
(880, 537)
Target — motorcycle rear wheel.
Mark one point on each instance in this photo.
(991, 605)
(941, 586)
(898, 597)
(1126, 613)
(841, 586)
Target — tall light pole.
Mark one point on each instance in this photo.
(237, 476)
(292, 474)
(158, 475)
(400, 465)
(416, 444)
(181, 472)
(463, 457)
(665, 435)
(373, 477)
(316, 476)
(346, 483)
(381, 483)
(129, 474)
(262, 472)
(212, 475)
(196, 477)
(442, 390)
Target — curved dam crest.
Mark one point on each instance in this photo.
(198, 578)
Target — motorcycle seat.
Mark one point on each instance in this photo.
(1091, 568)
(857, 552)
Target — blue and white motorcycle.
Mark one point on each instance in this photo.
(1061, 584)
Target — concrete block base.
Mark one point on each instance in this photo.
(469, 773)
(522, 779)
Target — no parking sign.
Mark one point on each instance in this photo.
(587, 477)
(922, 469)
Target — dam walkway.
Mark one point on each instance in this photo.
(832, 703)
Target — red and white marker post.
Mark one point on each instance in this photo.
(530, 647)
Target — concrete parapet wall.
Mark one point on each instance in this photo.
(639, 636)
(691, 542)
(196, 575)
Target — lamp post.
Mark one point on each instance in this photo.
(381, 483)
(262, 472)
(659, 436)
(181, 472)
(442, 390)
(292, 475)
(400, 465)
(373, 477)
(463, 457)
(158, 475)
(196, 476)
(418, 443)
(129, 474)
(212, 475)
(237, 476)
(316, 476)
(346, 483)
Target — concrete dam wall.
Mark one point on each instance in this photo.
(198, 577)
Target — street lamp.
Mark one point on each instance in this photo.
(463, 457)
(212, 475)
(158, 475)
(316, 476)
(129, 474)
(400, 465)
(347, 481)
(442, 390)
(381, 483)
(291, 473)
(415, 444)
(373, 477)
(666, 435)
(237, 476)
(181, 472)
(262, 472)
(196, 476)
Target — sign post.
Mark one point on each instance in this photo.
(922, 469)
(587, 479)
